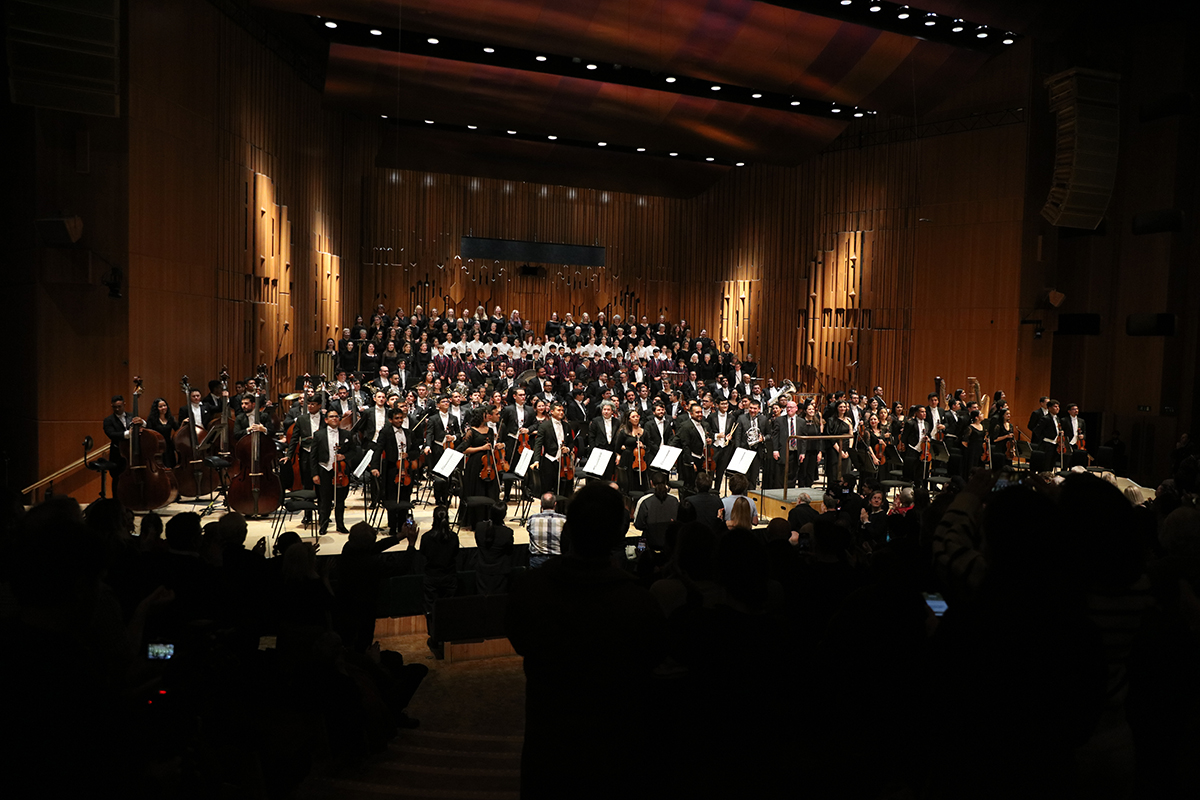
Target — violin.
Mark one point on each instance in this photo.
(403, 475)
(146, 484)
(639, 454)
(341, 470)
(522, 441)
(192, 475)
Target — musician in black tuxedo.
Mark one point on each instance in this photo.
(916, 429)
(390, 448)
(116, 428)
(551, 438)
(306, 426)
(330, 446)
(692, 436)
(1075, 429)
(753, 433)
(1039, 414)
(658, 430)
(721, 422)
(250, 419)
(602, 433)
(1045, 438)
(784, 451)
(440, 425)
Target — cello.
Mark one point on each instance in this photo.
(147, 483)
(256, 490)
(192, 475)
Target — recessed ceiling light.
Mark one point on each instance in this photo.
(512, 133)
(551, 138)
(740, 164)
(836, 110)
(716, 88)
(673, 154)
(591, 66)
(845, 2)
(432, 40)
(330, 24)
(757, 95)
(489, 49)
(428, 122)
(958, 26)
(858, 113)
(641, 149)
(873, 9)
(670, 80)
(903, 13)
(376, 32)
(539, 58)
(981, 32)
(471, 127)
(931, 18)
(383, 115)
(710, 158)
(795, 102)
(1008, 39)
(601, 144)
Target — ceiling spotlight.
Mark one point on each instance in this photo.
(710, 158)
(858, 113)
(795, 102)
(471, 127)
(539, 58)
(981, 32)
(740, 164)
(673, 154)
(428, 122)
(836, 110)
(552, 138)
(376, 32)
(903, 13)
(845, 2)
(489, 49)
(383, 115)
(601, 144)
(757, 95)
(670, 79)
(1008, 39)
(715, 88)
(512, 133)
(958, 26)
(641, 149)
(591, 66)
(432, 40)
(874, 9)
(330, 24)
(931, 18)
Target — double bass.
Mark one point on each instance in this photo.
(147, 483)
(192, 475)
(256, 490)
(224, 430)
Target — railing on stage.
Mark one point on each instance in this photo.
(69, 469)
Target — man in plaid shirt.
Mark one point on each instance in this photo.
(545, 532)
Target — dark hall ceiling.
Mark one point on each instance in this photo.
(812, 65)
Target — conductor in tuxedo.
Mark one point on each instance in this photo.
(330, 446)
(602, 433)
(441, 431)
(116, 428)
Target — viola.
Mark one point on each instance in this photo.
(146, 484)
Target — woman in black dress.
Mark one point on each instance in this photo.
(1001, 435)
(628, 436)
(477, 443)
(975, 439)
(810, 426)
(161, 421)
(837, 453)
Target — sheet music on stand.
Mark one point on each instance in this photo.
(740, 463)
(666, 458)
(523, 462)
(598, 461)
(448, 463)
(362, 465)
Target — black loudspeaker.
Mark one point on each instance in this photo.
(532, 272)
(1078, 325)
(1167, 220)
(1087, 104)
(1150, 325)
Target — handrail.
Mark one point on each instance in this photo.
(74, 466)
